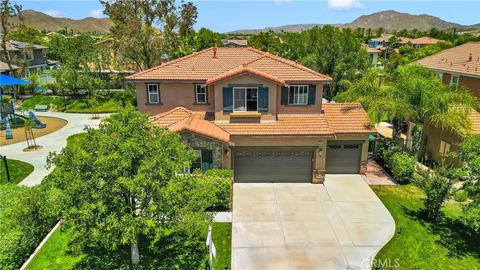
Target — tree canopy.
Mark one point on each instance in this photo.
(120, 189)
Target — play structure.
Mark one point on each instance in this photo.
(9, 117)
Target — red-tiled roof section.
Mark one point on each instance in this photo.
(347, 118)
(213, 62)
(244, 70)
(286, 125)
(196, 124)
(463, 59)
(168, 118)
(425, 41)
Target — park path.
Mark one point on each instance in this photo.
(54, 141)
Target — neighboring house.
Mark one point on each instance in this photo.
(109, 61)
(373, 55)
(421, 42)
(456, 66)
(379, 42)
(5, 69)
(29, 57)
(256, 113)
(234, 43)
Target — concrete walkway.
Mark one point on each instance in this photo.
(339, 225)
(51, 142)
(376, 175)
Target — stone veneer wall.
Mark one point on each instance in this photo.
(200, 142)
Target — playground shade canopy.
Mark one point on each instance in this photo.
(7, 80)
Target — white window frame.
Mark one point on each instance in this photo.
(244, 88)
(157, 92)
(454, 84)
(440, 76)
(296, 92)
(445, 148)
(198, 94)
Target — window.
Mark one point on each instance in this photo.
(454, 81)
(444, 148)
(44, 53)
(153, 96)
(200, 94)
(298, 95)
(204, 161)
(245, 99)
(29, 54)
(440, 76)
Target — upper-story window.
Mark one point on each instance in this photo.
(444, 148)
(245, 99)
(298, 95)
(153, 93)
(454, 81)
(200, 94)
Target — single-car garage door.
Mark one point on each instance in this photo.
(343, 157)
(272, 165)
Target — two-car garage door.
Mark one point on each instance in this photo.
(273, 165)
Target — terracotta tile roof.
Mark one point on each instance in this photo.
(425, 41)
(208, 64)
(456, 59)
(168, 118)
(405, 39)
(196, 124)
(287, 125)
(347, 118)
(244, 70)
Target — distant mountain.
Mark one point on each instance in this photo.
(390, 20)
(42, 21)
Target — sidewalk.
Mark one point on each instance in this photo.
(376, 175)
(52, 142)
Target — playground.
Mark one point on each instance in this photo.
(20, 125)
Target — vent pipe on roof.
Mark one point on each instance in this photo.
(470, 57)
(215, 49)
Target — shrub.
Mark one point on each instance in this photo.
(221, 181)
(461, 196)
(402, 166)
(26, 214)
(436, 189)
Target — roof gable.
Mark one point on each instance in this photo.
(214, 63)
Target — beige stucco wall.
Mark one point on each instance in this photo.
(434, 136)
(172, 95)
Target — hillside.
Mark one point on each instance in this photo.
(390, 20)
(393, 20)
(42, 21)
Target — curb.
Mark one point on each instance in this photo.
(25, 264)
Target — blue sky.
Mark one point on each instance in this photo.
(228, 15)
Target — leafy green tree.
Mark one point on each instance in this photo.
(436, 187)
(145, 30)
(28, 34)
(120, 188)
(470, 155)
(205, 38)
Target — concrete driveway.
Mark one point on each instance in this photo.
(341, 224)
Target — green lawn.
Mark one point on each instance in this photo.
(420, 244)
(76, 139)
(18, 171)
(54, 254)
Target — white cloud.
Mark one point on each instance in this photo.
(344, 5)
(53, 12)
(96, 13)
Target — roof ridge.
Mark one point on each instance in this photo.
(170, 62)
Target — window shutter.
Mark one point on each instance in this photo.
(284, 100)
(263, 99)
(207, 160)
(228, 99)
(312, 90)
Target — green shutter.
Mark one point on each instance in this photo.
(312, 91)
(284, 100)
(228, 99)
(207, 160)
(263, 99)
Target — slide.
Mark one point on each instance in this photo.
(38, 123)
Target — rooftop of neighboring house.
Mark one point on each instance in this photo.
(383, 37)
(463, 59)
(215, 64)
(338, 118)
(425, 41)
(236, 41)
(14, 45)
(372, 50)
(4, 67)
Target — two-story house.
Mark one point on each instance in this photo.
(458, 66)
(25, 57)
(258, 114)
